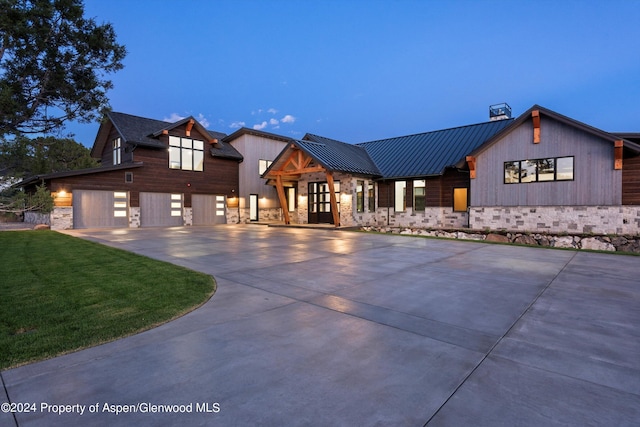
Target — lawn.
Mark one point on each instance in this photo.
(59, 294)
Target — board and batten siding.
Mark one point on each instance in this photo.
(253, 149)
(596, 182)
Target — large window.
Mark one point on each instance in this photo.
(117, 151)
(186, 154)
(371, 190)
(400, 204)
(360, 196)
(419, 194)
(460, 197)
(538, 170)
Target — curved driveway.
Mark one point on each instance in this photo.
(329, 328)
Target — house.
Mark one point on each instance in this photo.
(256, 201)
(540, 172)
(400, 182)
(550, 173)
(152, 173)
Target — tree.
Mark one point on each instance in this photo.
(54, 65)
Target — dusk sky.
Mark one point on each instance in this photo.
(364, 70)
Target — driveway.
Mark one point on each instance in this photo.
(336, 328)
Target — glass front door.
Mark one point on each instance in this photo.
(320, 202)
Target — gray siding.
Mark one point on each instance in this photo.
(254, 148)
(595, 183)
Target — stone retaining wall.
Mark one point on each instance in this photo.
(628, 243)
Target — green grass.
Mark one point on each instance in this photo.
(59, 294)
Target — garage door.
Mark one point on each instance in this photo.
(208, 209)
(160, 209)
(100, 209)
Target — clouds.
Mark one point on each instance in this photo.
(175, 117)
(272, 121)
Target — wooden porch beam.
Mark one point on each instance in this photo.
(535, 114)
(289, 172)
(333, 200)
(283, 199)
(471, 161)
(618, 147)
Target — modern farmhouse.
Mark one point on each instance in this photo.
(539, 172)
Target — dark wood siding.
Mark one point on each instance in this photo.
(631, 181)
(450, 180)
(220, 176)
(385, 194)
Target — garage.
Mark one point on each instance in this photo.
(161, 209)
(208, 209)
(100, 209)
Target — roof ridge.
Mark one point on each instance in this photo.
(434, 131)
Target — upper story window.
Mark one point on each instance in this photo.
(186, 154)
(419, 194)
(117, 151)
(539, 170)
(263, 165)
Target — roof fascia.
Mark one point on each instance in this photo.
(246, 131)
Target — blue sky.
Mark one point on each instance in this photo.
(364, 70)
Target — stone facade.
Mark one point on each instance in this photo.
(37, 218)
(187, 216)
(134, 217)
(558, 219)
(62, 218)
(436, 217)
(241, 216)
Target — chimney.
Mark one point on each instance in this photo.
(499, 112)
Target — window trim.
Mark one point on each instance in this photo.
(536, 161)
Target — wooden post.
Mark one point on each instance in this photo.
(189, 127)
(332, 199)
(535, 114)
(618, 146)
(283, 199)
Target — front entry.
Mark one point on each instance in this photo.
(320, 202)
(253, 207)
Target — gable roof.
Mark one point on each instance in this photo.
(142, 131)
(629, 145)
(430, 153)
(246, 131)
(337, 155)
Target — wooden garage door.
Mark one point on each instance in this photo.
(160, 209)
(208, 209)
(100, 209)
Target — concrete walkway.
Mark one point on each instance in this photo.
(335, 328)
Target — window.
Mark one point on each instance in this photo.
(263, 165)
(538, 170)
(176, 205)
(460, 197)
(128, 177)
(291, 199)
(360, 196)
(400, 204)
(117, 151)
(371, 196)
(120, 204)
(419, 194)
(186, 154)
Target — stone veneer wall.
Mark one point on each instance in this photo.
(134, 217)
(264, 214)
(558, 219)
(187, 216)
(62, 218)
(435, 217)
(37, 218)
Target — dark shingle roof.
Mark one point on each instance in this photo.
(338, 156)
(431, 152)
(140, 130)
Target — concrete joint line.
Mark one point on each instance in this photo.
(464, 380)
(6, 393)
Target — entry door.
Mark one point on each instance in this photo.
(320, 202)
(253, 207)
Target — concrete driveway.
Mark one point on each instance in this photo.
(330, 328)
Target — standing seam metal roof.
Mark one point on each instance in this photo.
(429, 153)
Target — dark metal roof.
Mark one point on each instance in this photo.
(429, 153)
(338, 156)
(140, 131)
(76, 172)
